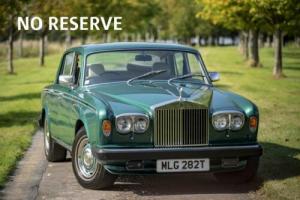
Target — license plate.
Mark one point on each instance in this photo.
(182, 165)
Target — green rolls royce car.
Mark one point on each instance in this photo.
(145, 108)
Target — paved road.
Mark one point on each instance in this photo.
(58, 182)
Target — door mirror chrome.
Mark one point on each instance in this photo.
(214, 76)
(66, 79)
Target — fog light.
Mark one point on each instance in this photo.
(230, 162)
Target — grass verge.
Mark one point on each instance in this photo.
(279, 105)
(20, 107)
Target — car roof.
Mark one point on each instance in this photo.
(92, 48)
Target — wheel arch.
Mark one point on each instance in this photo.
(79, 124)
(42, 118)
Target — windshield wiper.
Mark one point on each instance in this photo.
(184, 77)
(151, 73)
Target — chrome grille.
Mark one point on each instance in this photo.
(176, 127)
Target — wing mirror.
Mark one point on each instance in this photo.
(66, 79)
(214, 76)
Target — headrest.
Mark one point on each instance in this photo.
(161, 66)
(138, 68)
(95, 69)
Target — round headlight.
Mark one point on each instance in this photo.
(236, 122)
(220, 122)
(124, 124)
(140, 125)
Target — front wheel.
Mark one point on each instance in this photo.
(242, 176)
(89, 173)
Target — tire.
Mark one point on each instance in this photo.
(53, 151)
(89, 173)
(242, 176)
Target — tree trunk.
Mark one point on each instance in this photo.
(83, 38)
(241, 42)
(68, 39)
(245, 48)
(269, 41)
(253, 45)
(10, 55)
(297, 41)
(42, 50)
(199, 40)
(21, 44)
(277, 38)
(261, 40)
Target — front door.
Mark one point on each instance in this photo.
(59, 90)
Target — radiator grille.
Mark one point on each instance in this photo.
(177, 127)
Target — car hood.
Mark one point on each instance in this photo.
(143, 97)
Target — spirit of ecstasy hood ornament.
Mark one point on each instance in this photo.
(180, 89)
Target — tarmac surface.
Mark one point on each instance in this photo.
(35, 178)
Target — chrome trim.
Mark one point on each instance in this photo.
(181, 126)
(228, 112)
(173, 101)
(71, 98)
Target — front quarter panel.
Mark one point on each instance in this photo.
(223, 101)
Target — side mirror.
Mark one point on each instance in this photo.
(214, 76)
(66, 79)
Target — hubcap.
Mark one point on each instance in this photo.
(85, 161)
(46, 138)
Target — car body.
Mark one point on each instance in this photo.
(144, 108)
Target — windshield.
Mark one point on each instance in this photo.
(116, 66)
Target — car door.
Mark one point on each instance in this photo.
(58, 113)
(69, 102)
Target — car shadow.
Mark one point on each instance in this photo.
(21, 97)
(279, 162)
(276, 157)
(180, 184)
(18, 118)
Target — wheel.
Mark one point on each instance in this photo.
(89, 173)
(242, 176)
(53, 151)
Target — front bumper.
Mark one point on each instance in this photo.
(107, 155)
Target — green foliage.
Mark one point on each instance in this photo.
(277, 14)
(8, 11)
(233, 14)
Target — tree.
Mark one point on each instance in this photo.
(8, 11)
(279, 15)
(236, 15)
(44, 9)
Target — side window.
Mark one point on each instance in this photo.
(194, 64)
(179, 63)
(68, 64)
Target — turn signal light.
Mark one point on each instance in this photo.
(106, 127)
(253, 123)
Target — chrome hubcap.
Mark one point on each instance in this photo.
(86, 163)
(46, 138)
